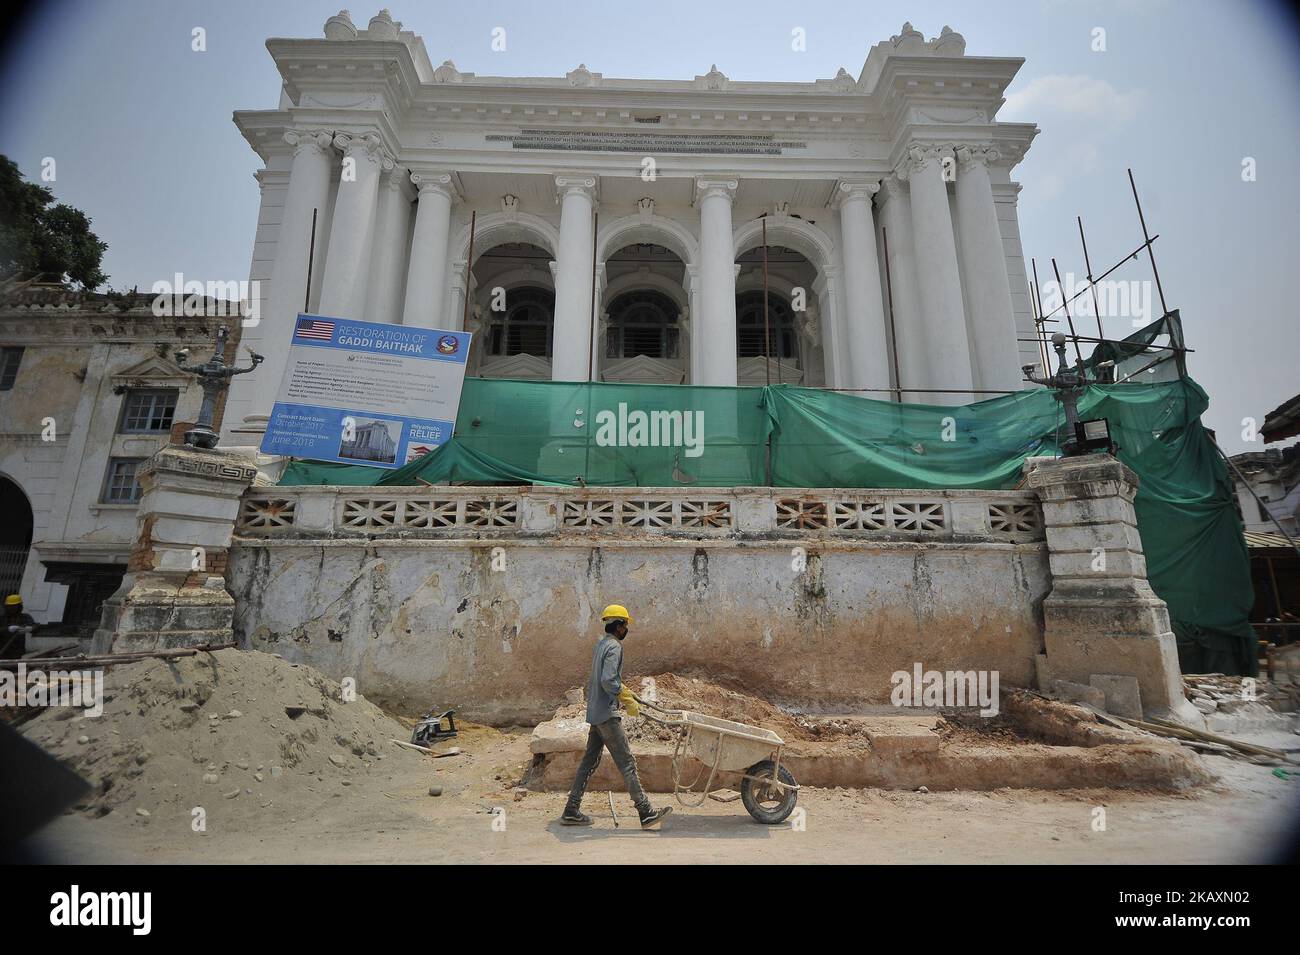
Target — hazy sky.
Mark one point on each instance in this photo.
(140, 127)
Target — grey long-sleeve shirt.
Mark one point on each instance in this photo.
(605, 681)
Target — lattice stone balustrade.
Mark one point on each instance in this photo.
(450, 512)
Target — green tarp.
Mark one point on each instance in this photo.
(560, 433)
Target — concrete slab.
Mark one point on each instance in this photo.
(898, 735)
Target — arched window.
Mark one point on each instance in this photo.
(642, 322)
(749, 327)
(525, 327)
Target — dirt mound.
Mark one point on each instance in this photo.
(677, 691)
(218, 729)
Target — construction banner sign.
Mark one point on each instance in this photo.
(367, 392)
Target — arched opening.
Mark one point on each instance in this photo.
(512, 312)
(772, 334)
(15, 536)
(784, 345)
(644, 322)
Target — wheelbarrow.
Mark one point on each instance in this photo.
(767, 788)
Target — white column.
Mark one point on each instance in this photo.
(426, 275)
(347, 260)
(988, 289)
(867, 339)
(715, 322)
(942, 310)
(388, 261)
(573, 278)
(909, 331)
(309, 184)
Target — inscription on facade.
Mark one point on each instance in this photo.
(619, 141)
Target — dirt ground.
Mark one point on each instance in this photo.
(343, 793)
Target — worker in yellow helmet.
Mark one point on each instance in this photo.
(13, 634)
(605, 690)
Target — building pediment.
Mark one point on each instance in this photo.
(643, 370)
(153, 370)
(751, 373)
(516, 366)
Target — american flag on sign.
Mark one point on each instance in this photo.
(314, 329)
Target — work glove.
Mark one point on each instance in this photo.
(629, 702)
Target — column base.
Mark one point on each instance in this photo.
(1086, 640)
(161, 612)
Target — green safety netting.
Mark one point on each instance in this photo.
(562, 433)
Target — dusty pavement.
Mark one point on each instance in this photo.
(387, 815)
(341, 792)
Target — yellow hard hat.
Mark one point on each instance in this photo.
(616, 612)
(13, 600)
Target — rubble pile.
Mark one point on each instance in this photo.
(216, 729)
(1217, 693)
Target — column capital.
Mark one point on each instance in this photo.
(847, 190)
(397, 179)
(369, 141)
(977, 154)
(309, 140)
(706, 187)
(426, 182)
(586, 184)
(920, 156)
(893, 188)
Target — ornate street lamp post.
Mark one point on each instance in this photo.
(214, 377)
(1068, 384)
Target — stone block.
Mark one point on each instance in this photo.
(902, 736)
(1151, 659)
(970, 518)
(1109, 563)
(559, 736)
(1071, 513)
(1070, 692)
(1042, 672)
(1086, 537)
(1123, 694)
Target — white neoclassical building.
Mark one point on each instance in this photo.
(619, 223)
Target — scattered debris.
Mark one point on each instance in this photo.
(430, 729)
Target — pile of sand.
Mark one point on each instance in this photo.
(217, 730)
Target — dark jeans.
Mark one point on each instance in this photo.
(608, 734)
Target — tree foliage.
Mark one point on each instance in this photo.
(39, 235)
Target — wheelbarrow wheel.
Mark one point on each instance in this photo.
(767, 803)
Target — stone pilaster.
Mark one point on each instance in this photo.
(174, 591)
(1102, 618)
